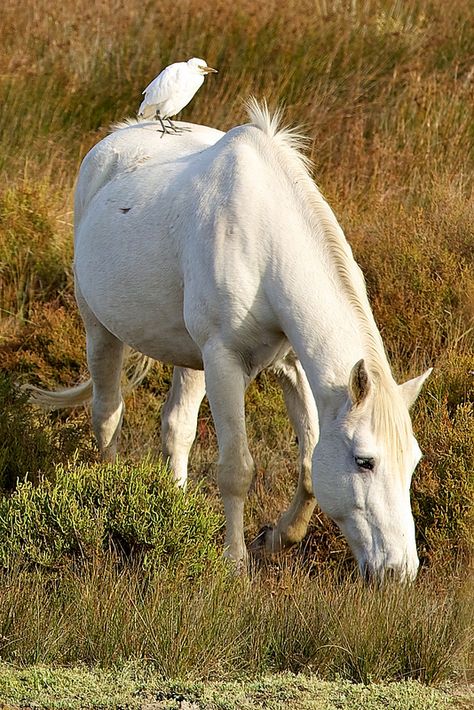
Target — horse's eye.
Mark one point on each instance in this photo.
(368, 463)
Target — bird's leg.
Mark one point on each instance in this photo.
(177, 129)
(163, 127)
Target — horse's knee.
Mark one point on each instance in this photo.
(234, 476)
(235, 473)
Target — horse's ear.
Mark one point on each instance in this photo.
(411, 388)
(359, 383)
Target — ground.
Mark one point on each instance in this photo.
(134, 688)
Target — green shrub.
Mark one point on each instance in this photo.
(136, 510)
(29, 444)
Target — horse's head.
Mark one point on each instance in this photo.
(362, 469)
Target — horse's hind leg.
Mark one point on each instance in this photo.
(104, 358)
(226, 383)
(293, 523)
(179, 419)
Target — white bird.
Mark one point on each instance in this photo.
(172, 90)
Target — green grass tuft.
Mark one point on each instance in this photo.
(215, 626)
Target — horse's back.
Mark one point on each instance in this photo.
(125, 270)
(133, 144)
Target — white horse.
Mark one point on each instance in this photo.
(217, 252)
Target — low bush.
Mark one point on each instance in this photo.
(30, 445)
(137, 511)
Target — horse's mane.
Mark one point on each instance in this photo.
(390, 415)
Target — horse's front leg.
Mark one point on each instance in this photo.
(179, 419)
(226, 383)
(293, 523)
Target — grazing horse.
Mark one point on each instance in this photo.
(217, 253)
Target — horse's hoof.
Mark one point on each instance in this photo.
(238, 568)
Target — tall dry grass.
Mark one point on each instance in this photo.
(222, 627)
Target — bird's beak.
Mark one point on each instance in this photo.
(209, 70)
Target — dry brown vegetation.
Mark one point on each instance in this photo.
(384, 89)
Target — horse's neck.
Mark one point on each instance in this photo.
(325, 335)
(329, 327)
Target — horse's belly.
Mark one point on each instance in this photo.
(138, 298)
(162, 340)
(150, 327)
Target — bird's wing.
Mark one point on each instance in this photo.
(165, 83)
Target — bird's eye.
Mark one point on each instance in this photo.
(367, 463)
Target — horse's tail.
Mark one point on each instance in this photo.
(137, 368)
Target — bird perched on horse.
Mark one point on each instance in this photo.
(172, 90)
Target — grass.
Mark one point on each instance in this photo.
(213, 626)
(384, 91)
(133, 687)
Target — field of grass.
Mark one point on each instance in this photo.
(384, 89)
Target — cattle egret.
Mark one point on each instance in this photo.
(172, 90)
